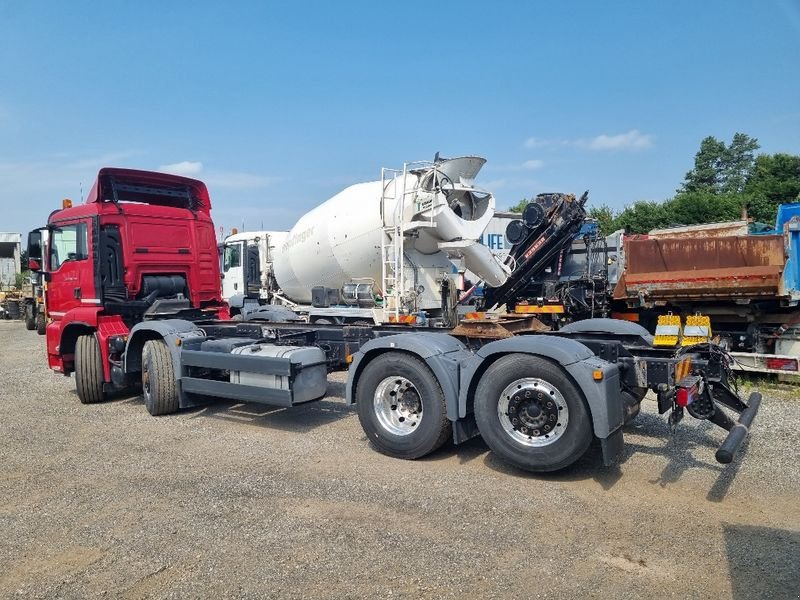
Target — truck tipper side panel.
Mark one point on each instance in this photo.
(703, 268)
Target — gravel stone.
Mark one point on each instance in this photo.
(240, 500)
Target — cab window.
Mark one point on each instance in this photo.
(69, 242)
(233, 256)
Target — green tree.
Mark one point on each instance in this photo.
(691, 208)
(642, 216)
(519, 206)
(775, 179)
(706, 174)
(604, 217)
(721, 169)
(737, 163)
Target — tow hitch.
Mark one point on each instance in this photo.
(703, 398)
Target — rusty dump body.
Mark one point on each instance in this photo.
(703, 268)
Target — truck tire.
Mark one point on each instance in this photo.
(41, 323)
(13, 309)
(401, 406)
(531, 414)
(159, 387)
(89, 370)
(30, 317)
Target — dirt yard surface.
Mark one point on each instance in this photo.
(247, 501)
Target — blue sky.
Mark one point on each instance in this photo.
(278, 106)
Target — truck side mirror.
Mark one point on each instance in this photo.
(35, 246)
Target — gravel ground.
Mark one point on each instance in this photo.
(242, 500)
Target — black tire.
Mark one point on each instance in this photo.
(13, 310)
(159, 387)
(30, 317)
(567, 445)
(41, 323)
(89, 370)
(431, 430)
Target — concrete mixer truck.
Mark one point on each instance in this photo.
(133, 294)
(390, 250)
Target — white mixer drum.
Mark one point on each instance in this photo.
(340, 240)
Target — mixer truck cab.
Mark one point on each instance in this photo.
(247, 275)
(141, 246)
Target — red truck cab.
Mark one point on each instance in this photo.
(141, 246)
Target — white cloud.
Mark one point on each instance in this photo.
(632, 140)
(532, 165)
(534, 142)
(95, 163)
(528, 165)
(184, 168)
(234, 180)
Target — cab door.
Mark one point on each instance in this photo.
(71, 281)
(232, 272)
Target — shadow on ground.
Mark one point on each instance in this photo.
(690, 446)
(763, 562)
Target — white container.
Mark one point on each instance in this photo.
(311, 382)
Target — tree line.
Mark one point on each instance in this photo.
(725, 179)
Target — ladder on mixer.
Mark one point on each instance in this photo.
(392, 239)
(393, 234)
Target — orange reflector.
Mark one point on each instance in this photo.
(632, 317)
(548, 309)
(178, 342)
(66, 203)
(597, 375)
(474, 316)
(348, 359)
(683, 369)
(405, 319)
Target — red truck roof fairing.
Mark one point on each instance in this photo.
(132, 185)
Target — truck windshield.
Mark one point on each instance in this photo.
(233, 256)
(68, 242)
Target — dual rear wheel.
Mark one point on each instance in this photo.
(527, 409)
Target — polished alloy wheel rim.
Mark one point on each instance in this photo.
(398, 405)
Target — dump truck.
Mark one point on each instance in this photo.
(747, 284)
(134, 299)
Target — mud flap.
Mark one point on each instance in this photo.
(613, 447)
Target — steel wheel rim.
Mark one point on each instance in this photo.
(146, 384)
(533, 412)
(397, 405)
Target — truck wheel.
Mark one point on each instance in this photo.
(158, 379)
(531, 414)
(89, 369)
(41, 323)
(401, 406)
(30, 318)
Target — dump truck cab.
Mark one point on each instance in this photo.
(142, 246)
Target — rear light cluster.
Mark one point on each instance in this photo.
(782, 364)
(686, 396)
